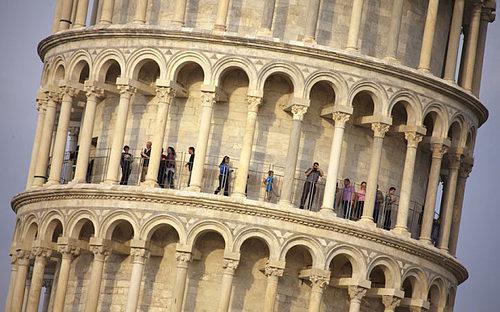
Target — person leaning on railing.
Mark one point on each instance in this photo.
(312, 176)
(347, 198)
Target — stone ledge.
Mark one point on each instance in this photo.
(246, 207)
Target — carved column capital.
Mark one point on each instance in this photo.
(126, 90)
(299, 111)
(47, 283)
(53, 97)
(139, 255)
(273, 271)
(23, 257)
(438, 150)
(41, 252)
(465, 169)
(165, 94)
(68, 251)
(254, 103)
(67, 93)
(454, 160)
(229, 266)
(379, 129)
(390, 302)
(319, 281)
(413, 139)
(13, 259)
(208, 99)
(93, 91)
(183, 258)
(356, 293)
(340, 119)
(41, 103)
(100, 252)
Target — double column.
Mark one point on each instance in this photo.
(379, 131)
(165, 95)
(126, 93)
(46, 139)
(298, 112)
(101, 252)
(139, 258)
(183, 259)
(41, 255)
(340, 120)
(412, 141)
(428, 37)
(68, 253)
(273, 274)
(68, 93)
(454, 160)
(312, 20)
(438, 150)
(354, 25)
(41, 108)
(246, 151)
(86, 131)
(23, 264)
(208, 100)
(356, 293)
(229, 266)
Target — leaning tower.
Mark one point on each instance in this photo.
(141, 100)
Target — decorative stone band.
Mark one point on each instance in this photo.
(379, 129)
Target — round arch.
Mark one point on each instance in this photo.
(210, 226)
(104, 61)
(76, 64)
(390, 268)
(49, 224)
(264, 235)
(74, 223)
(354, 256)
(154, 223)
(290, 71)
(177, 62)
(413, 109)
(112, 220)
(375, 91)
(336, 81)
(440, 119)
(229, 62)
(139, 57)
(310, 244)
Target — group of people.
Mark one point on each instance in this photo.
(167, 169)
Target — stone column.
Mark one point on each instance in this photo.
(183, 259)
(267, 24)
(438, 150)
(334, 163)
(57, 16)
(207, 105)
(126, 93)
(82, 162)
(23, 264)
(100, 254)
(41, 108)
(454, 40)
(107, 9)
(46, 297)
(240, 182)
(229, 266)
(355, 24)
(486, 18)
(46, 140)
(393, 41)
(463, 175)
(449, 199)
(61, 136)
(319, 283)
(81, 14)
(222, 10)
(379, 131)
(312, 20)
(298, 112)
(412, 139)
(68, 253)
(27, 288)
(356, 293)
(471, 47)
(12, 282)
(273, 274)
(428, 38)
(65, 20)
(41, 255)
(180, 13)
(139, 257)
(141, 10)
(390, 303)
(165, 96)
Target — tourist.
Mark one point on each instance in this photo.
(390, 202)
(162, 170)
(190, 163)
(312, 176)
(379, 200)
(126, 165)
(347, 198)
(145, 154)
(360, 201)
(170, 166)
(268, 183)
(224, 176)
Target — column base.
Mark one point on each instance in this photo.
(219, 28)
(392, 59)
(264, 33)
(401, 231)
(309, 40)
(193, 188)
(51, 183)
(444, 249)
(424, 70)
(327, 211)
(352, 49)
(368, 221)
(149, 183)
(239, 195)
(110, 182)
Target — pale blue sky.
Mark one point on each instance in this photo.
(24, 23)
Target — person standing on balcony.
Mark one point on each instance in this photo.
(224, 176)
(162, 170)
(379, 200)
(170, 165)
(126, 165)
(145, 154)
(390, 202)
(312, 176)
(360, 201)
(190, 163)
(268, 183)
(347, 199)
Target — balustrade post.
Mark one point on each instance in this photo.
(471, 48)
(107, 9)
(180, 13)
(65, 20)
(222, 10)
(141, 11)
(312, 20)
(81, 14)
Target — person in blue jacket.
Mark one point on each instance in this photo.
(224, 176)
